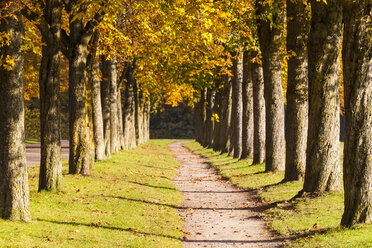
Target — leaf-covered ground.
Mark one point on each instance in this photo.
(307, 222)
(128, 201)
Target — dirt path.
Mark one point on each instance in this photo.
(215, 213)
(33, 153)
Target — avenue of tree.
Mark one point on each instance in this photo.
(233, 59)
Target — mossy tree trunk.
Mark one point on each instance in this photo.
(270, 32)
(77, 96)
(259, 120)
(323, 171)
(357, 62)
(247, 98)
(14, 192)
(50, 176)
(298, 28)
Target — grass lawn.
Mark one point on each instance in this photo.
(32, 141)
(308, 222)
(128, 201)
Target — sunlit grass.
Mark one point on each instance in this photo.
(307, 222)
(128, 201)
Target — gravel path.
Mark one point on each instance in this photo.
(33, 153)
(215, 213)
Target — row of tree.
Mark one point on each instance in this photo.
(100, 121)
(243, 113)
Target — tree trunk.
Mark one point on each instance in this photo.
(92, 79)
(77, 97)
(226, 122)
(197, 121)
(323, 145)
(203, 105)
(114, 137)
(357, 57)
(217, 109)
(120, 120)
(237, 105)
(270, 45)
(259, 119)
(106, 105)
(14, 193)
(97, 114)
(50, 177)
(209, 117)
(136, 112)
(141, 114)
(148, 116)
(247, 98)
(296, 121)
(128, 116)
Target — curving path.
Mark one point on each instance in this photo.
(33, 153)
(215, 213)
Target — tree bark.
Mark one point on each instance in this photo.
(247, 98)
(217, 109)
(226, 122)
(237, 104)
(270, 34)
(298, 28)
(197, 120)
(14, 193)
(323, 171)
(77, 96)
(357, 62)
(209, 117)
(97, 114)
(106, 105)
(50, 176)
(203, 105)
(128, 116)
(259, 119)
(114, 137)
(120, 120)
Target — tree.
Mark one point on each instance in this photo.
(237, 104)
(271, 20)
(259, 128)
(357, 62)
(50, 177)
(323, 171)
(296, 123)
(49, 22)
(95, 83)
(247, 98)
(105, 97)
(77, 42)
(14, 193)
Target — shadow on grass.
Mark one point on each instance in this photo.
(254, 241)
(97, 225)
(257, 209)
(154, 167)
(152, 186)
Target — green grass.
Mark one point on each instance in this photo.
(32, 141)
(128, 201)
(307, 222)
